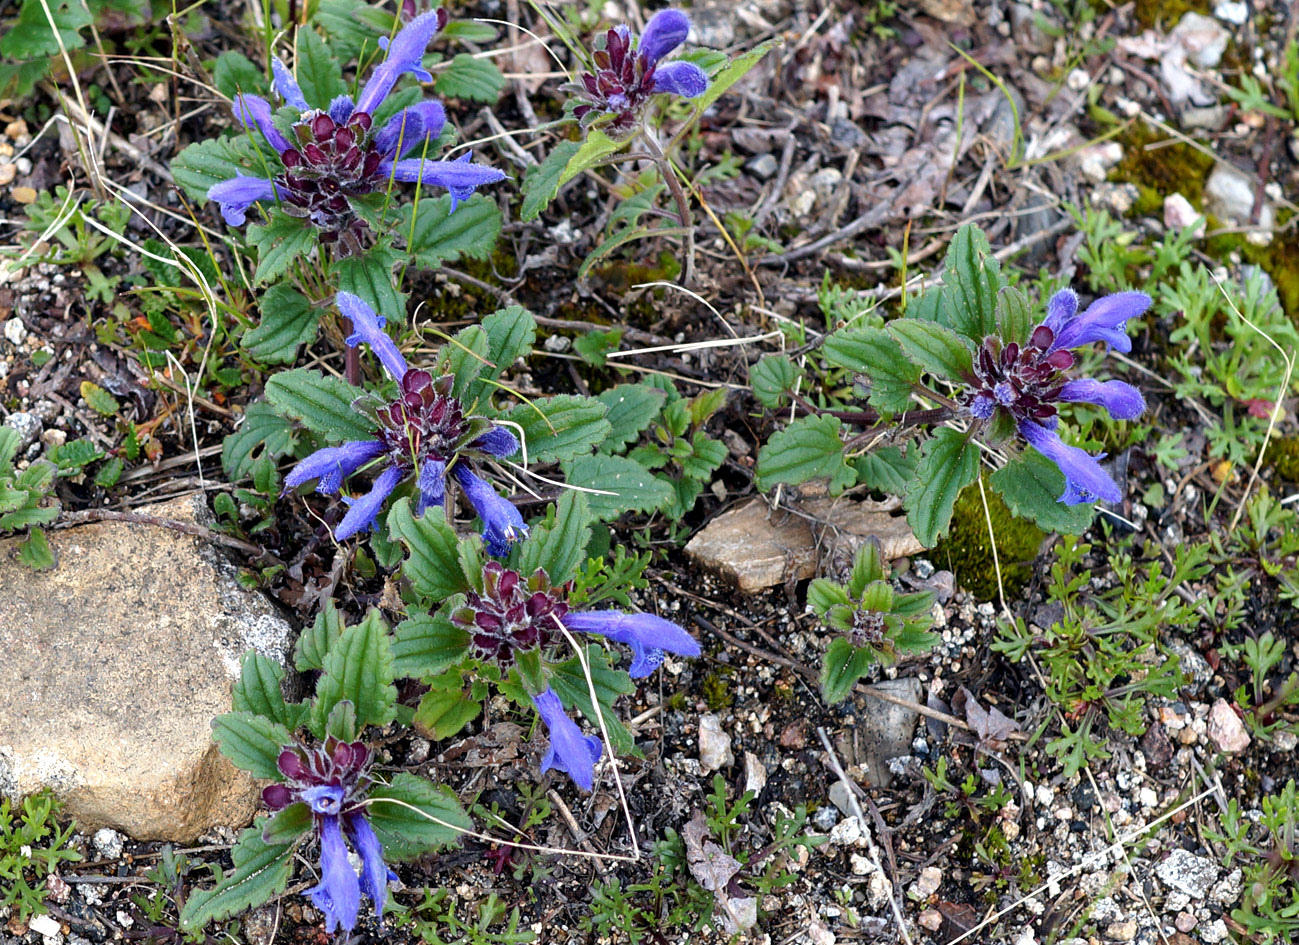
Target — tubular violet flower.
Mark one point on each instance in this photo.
(335, 153)
(422, 434)
(332, 781)
(570, 751)
(1027, 383)
(629, 72)
(650, 637)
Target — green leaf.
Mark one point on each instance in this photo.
(510, 334)
(569, 683)
(30, 36)
(1032, 485)
(631, 408)
(843, 665)
(443, 713)
(475, 79)
(263, 432)
(949, 464)
(809, 448)
(426, 644)
(253, 742)
(595, 148)
(288, 320)
(261, 871)
(433, 566)
(359, 669)
(318, 72)
(867, 568)
(560, 548)
(771, 378)
(937, 349)
(1014, 316)
(35, 552)
(99, 400)
(258, 690)
(634, 488)
(234, 73)
(874, 354)
(109, 473)
(887, 469)
(469, 31)
(438, 235)
(738, 68)
(971, 280)
(73, 456)
(279, 243)
(561, 427)
(352, 26)
(370, 276)
(341, 722)
(466, 356)
(323, 404)
(27, 517)
(823, 594)
(288, 825)
(405, 833)
(541, 181)
(315, 641)
(209, 162)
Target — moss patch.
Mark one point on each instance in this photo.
(1283, 457)
(1166, 13)
(1157, 172)
(1279, 259)
(967, 552)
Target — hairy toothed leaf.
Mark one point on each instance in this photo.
(370, 276)
(442, 713)
(264, 432)
(561, 427)
(426, 644)
(1032, 485)
(541, 181)
(318, 72)
(436, 822)
(35, 552)
(253, 742)
(631, 408)
(234, 73)
(559, 548)
(261, 871)
(949, 464)
(316, 640)
(634, 488)
(937, 349)
(733, 72)
(595, 148)
(510, 334)
(887, 469)
(809, 448)
(771, 378)
(465, 356)
(209, 162)
(288, 320)
(873, 353)
(323, 404)
(1015, 319)
(257, 690)
(478, 80)
(433, 565)
(841, 667)
(971, 280)
(358, 669)
(438, 235)
(280, 242)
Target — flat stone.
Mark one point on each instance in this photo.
(714, 744)
(116, 662)
(753, 547)
(1184, 871)
(1226, 730)
(884, 729)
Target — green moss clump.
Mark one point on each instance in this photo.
(1166, 13)
(1283, 456)
(967, 552)
(1157, 172)
(717, 692)
(1279, 259)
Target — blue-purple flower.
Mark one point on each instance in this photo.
(335, 153)
(570, 751)
(1026, 383)
(421, 435)
(332, 781)
(650, 637)
(629, 72)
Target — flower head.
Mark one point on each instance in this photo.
(649, 637)
(570, 751)
(511, 614)
(1027, 383)
(334, 152)
(421, 434)
(332, 780)
(629, 72)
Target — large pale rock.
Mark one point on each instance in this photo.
(754, 547)
(116, 662)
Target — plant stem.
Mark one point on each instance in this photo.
(670, 178)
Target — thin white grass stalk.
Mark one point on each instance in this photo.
(466, 145)
(992, 543)
(93, 169)
(1289, 360)
(1078, 868)
(193, 423)
(70, 205)
(697, 345)
(589, 854)
(518, 483)
(713, 385)
(690, 292)
(604, 733)
(562, 485)
(523, 29)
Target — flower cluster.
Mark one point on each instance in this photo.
(513, 614)
(1026, 384)
(335, 153)
(422, 434)
(628, 73)
(332, 781)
